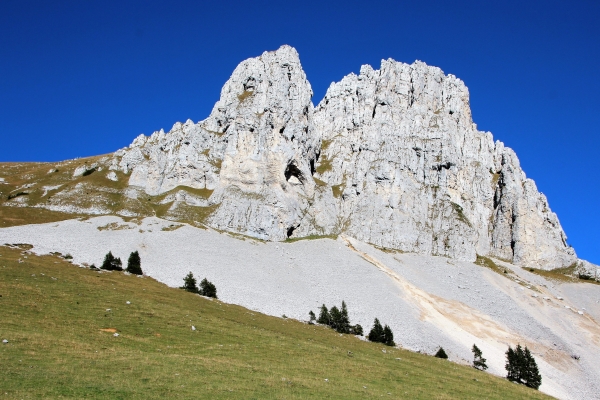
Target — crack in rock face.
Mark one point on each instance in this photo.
(389, 156)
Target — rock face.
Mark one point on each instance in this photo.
(389, 156)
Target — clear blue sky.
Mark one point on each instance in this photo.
(80, 78)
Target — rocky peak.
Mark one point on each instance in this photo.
(264, 112)
(389, 156)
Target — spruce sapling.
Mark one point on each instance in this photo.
(478, 360)
(134, 264)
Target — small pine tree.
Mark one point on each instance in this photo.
(376, 334)
(441, 353)
(208, 289)
(335, 319)
(134, 264)
(117, 265)
(189, 284)
(312, 317)
(478, 360)
(388, 336)
(344, 324)
(323, 316)
(111, 263)
(108, 261)
(522, 368)
(531, 375)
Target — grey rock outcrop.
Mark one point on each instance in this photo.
(389, 156)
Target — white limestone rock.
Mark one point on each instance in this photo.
(410, 171)
(162, 162)
(588, 269)
(265, 179)
(112, 176)
(83, 168)
(389, 156)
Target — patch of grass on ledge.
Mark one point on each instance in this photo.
(489, 263)
(60, 321)
(14, 216)
(310, 237)
(566, 274)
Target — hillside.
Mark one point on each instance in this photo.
(427, 301)
(60, 321)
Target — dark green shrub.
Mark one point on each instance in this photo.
(111, 263)
(134, 264)
(189, 284)
(478, 360)
(522, 368)
(208, 289)
(441, 353)
(312, 317)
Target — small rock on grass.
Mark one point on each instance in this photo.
(5, 341)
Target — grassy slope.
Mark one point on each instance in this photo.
(34, 180)
(52, 314)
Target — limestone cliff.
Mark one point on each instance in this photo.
(389, 156)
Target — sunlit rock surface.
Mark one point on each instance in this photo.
(389, 156)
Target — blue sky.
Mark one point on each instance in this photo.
(80, 78)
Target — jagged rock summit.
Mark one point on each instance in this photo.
(389, 156)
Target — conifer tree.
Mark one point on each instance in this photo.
(388, 336)
(312, 317)
(357, 330)
(344, 319)
(208, 289)
(108, 260)
(189, 284)
(376, 333)
(111, 263)
(522, 368)
(323, 316)
(134, 264)
(441, 353)
(117, 264)
(478, 360)
(335, 318)
(531, 374)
